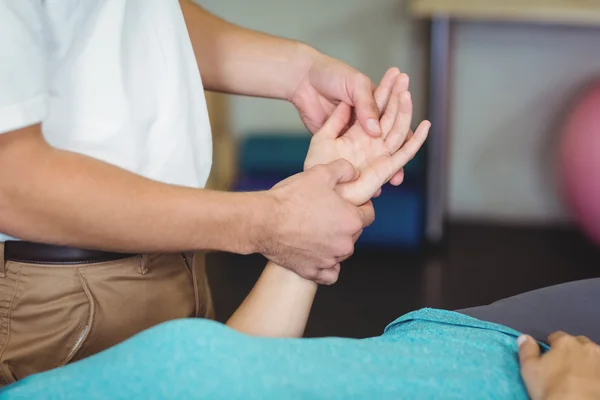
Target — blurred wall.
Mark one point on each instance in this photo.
(512, 83)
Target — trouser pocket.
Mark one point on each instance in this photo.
(196, 264)
(53, 315)
(189, 261)
(47, 313)
(135, 294)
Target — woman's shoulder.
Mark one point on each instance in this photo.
(439, 318)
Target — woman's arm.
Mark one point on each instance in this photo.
(280, 302)
(277, 306)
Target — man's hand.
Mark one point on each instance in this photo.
(377, 159)
(570, 370)
(315, 229)
(328, 82)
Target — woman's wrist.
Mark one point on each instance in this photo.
(285, 276)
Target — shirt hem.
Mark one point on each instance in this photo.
(23, 114)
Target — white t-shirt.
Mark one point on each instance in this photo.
(116, 80)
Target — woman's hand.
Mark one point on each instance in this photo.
(280, 302)
(377, 159)
(570, 370)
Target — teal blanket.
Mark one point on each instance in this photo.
(427, 354)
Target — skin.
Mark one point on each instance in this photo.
(129, 213)
(316, 84)
(378, 159)
(282, 69)
(303, 223)
(280, 302)
(570, 370)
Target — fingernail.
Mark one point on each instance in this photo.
(522, 339)
(373, 125)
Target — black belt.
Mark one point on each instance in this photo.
(38, 253)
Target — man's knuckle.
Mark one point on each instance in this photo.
(354, 226)
(309, 273)
(347, 248)
(327, 262)
(363, 79)
(320, 280)
(317, 170)
(350, 252)
(355, 221)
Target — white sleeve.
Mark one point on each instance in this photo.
(23, 81)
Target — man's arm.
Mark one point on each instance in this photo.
(228, 55)
(59, 197)
(54, 196)
(280, 302)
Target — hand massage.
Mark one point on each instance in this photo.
(105, 147)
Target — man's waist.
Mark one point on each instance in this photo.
(39, 253)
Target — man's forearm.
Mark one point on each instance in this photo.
(53, 196)
(278, 305)
(232, 59)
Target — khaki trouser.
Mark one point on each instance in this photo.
(51, 315)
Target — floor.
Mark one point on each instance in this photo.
(477, 264)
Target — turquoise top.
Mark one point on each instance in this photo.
(426, 354)
(4, 238)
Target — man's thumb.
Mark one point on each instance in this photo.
(341, 171)
(366, 108)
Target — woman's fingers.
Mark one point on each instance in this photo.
(410, 148)
(583, 339)
(384, 90)
(336, 123)
(559, 338)
(398, 178)
(401, 127)
(384, 168)
(391, 112)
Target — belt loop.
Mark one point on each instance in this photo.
(143, 264)
(2, 261)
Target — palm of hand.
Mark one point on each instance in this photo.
(378, 160)
(365, 153)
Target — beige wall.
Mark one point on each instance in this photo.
(511, 84)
